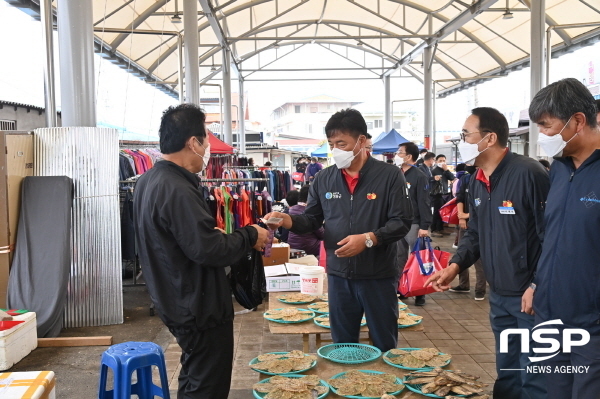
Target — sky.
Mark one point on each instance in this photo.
(126, 102)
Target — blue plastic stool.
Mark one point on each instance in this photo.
(126, 358)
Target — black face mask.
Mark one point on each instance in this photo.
(470, 169)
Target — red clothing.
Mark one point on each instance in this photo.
(350, 181)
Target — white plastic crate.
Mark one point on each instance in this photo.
(29, 384)
(18, 342)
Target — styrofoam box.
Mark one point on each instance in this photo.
(18, 342)
(28, 384)
(283, 283)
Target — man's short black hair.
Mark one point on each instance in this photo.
(268, 163)
(292, 197)
(461, 167)
(303, 195)
(440, 156)
(390, 161)
(368, 135)
(424, 151)
(178, 124)
(545, 163)
(428, 156)
(348, 121)
(598, 105)
(492, 121)
(411, 149)
(562, 100)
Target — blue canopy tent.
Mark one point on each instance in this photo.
(388, 142)
(322, 152)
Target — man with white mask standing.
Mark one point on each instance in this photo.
(366, 209)
(183, 256)
(506, 228)
(566, 286)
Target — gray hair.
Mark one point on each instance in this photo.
(562, 100)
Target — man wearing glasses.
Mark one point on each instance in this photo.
(506, 229)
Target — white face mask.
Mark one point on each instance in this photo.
(441, 164)
(554, 145)
(398, 160)
(342, 158)
(206, 156)
(468, 151)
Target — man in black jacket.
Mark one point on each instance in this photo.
(566, 286)
(418, 189)
(506, 229)
(366, 209)
(441, 177)
(183, 256)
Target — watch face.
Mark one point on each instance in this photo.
(369, 243)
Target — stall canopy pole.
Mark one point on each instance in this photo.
(388, 103)
(76, 46)
(49, 90)
(538, 75)
(241, 117)
(191, 42)
(427, 96)
(226, 128)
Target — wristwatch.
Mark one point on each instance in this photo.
(368, 242)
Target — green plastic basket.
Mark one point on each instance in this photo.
(316, 310)
(349, 353)
(411, 325)
(309, 316)
(255, 360)
(296, 303)
(389, 355)
(417, 389)
(260, 395)
(372, 372)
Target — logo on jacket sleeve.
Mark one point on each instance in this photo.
(590, 200)
(330, 195)
(371, 196)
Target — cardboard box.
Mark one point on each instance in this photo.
(280, 254)
(283, 283)
(308, 260)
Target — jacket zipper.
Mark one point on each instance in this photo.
(490, 216)
(351, 214)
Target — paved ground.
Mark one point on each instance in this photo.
(454, 323)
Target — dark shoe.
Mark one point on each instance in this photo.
(400, 296)
(479, 296)
(420, 300)
(459, 289)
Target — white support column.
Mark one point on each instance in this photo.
(76, 46)
(388, 117)
(48, 38)
(538, 73)
(226, 69)
(241, 117)
(191, 40)
(428, 99)
(180, 75)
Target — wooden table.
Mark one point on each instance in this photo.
(309, 327)
(326, 369)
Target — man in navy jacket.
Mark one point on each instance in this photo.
(567, 283)
(506, 229)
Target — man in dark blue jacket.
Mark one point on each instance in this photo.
(506, 229)
(366, 209)
(567, 284)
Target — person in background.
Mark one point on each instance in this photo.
(291, 199)
(369, 146)
(312, 169)
(250, 161)
(418, 190)
(390, 161)
(301, 165)
(460, 171)
(422, 154)
(462, 204)
(267, 166)
(598, 114)
(183, 255)
(366, 209)
(545, 163)
(506, 229)
(440, 192)
(308, 242)
(566, 285)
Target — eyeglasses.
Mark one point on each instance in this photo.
(464, 135)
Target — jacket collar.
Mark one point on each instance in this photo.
(568, 161)
(168, 165)
(497, 173)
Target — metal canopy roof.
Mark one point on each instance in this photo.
(371, 38)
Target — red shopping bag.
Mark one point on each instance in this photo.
(421, 264)
(449, 212)
(442, 256)
(298, 176)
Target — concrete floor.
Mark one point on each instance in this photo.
(454, 323)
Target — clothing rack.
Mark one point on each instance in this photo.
(232, 180)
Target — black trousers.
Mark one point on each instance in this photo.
(206, 361)
(437, 201)
(349, 299)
